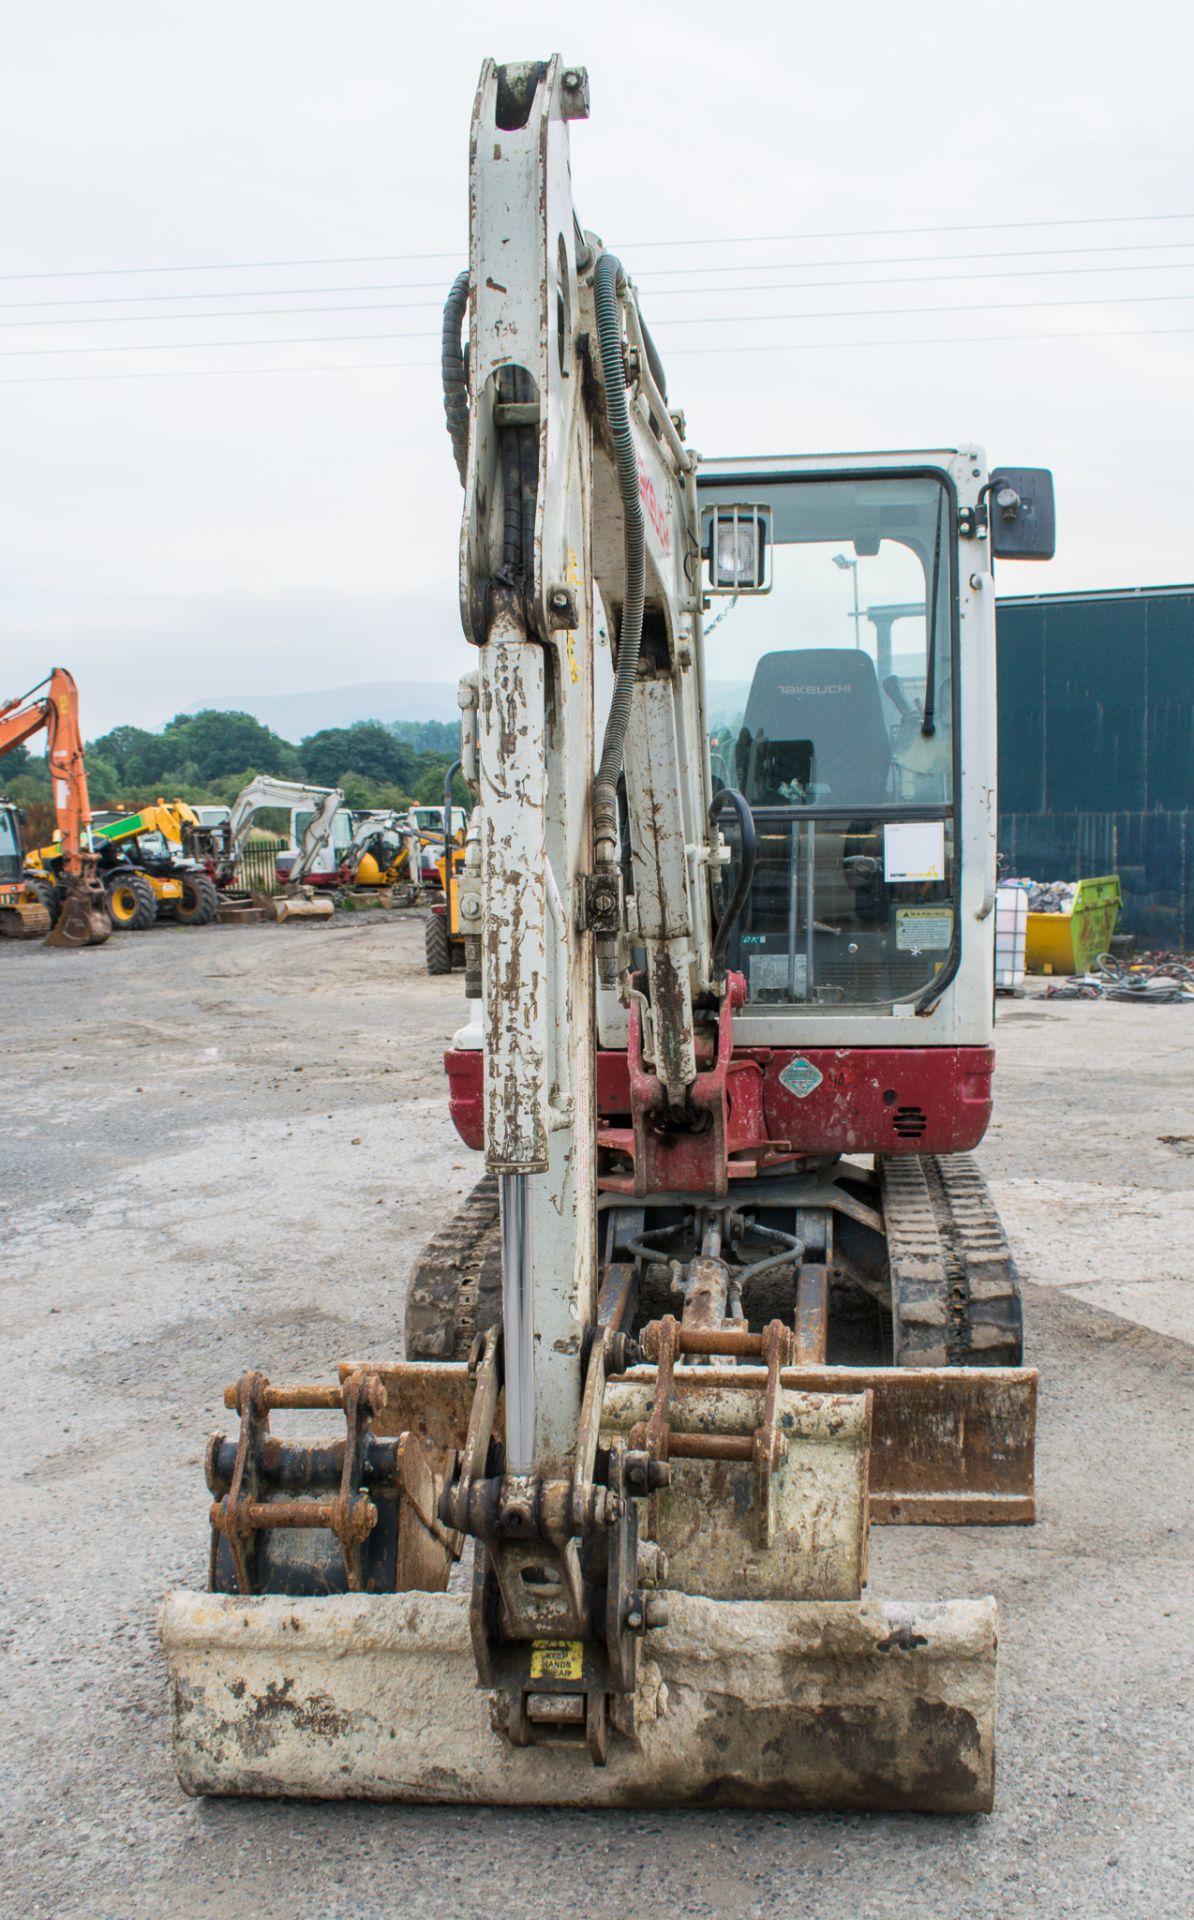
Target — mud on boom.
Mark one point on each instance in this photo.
(731, 1289)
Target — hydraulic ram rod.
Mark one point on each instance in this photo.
(518, 1324)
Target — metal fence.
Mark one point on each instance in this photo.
(256, 869)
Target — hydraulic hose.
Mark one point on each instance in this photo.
(509, 390)
(653, 360)
(746, 872)
(455, 378)
(608, 281)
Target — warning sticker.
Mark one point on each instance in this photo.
(924, 929)
(913, 850)
(557, 1660)
(801, 1077)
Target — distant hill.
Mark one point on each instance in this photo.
(295, 715)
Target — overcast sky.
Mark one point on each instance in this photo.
(217, 524)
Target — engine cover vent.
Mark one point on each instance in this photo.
(909, 1122)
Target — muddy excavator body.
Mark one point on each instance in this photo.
(69, 898)
(731, 1289)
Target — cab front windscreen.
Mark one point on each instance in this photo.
(831, 709)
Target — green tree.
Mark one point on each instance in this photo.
(429, 790)
(429, 736)
(103, 780)
(14, 763)
(357, 791)
(215, 743)
(131, 750)
(367, 747)
(29, 790)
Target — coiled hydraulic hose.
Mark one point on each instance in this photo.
(455, 378)
(746, 872)
(608, 281)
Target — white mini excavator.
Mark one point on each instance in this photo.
(296, 900)
(732, 1288)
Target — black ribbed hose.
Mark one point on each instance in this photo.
(509, 392)
(608, 278)
(728, 797)
(455, 378)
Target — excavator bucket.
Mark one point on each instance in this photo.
(82, 918)
(304, 904)
(743, 1704)
(774, 1681)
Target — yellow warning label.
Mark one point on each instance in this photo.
(557, 1659)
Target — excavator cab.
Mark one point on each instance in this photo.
(25, 901)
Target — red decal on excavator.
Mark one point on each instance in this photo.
(655, 509)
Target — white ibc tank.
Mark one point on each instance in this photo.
(1011, 931)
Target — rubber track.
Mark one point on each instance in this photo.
(455, 1291)
(954, 1286)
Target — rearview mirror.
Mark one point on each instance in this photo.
(1020, 513)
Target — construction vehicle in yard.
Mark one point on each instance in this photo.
(67, 904)
(390, 848)
(443, 932)
(733, 1288)
(147, 867)
(295, 899)
(383, 851)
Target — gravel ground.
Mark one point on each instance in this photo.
(224, 1147)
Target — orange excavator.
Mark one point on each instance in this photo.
(71, 910)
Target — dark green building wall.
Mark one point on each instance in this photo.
(1096, 748)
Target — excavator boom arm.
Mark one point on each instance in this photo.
(57, 711)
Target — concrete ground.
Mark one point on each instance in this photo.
(224, 1146)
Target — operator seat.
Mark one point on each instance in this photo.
(815, 718)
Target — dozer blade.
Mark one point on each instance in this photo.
(83, 917)
(949, 1445)
(861, 1704)
(295, 906)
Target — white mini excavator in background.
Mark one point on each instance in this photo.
(732, 1288)
(296, 900)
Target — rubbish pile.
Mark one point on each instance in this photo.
(1048, 896)
(1161, 982)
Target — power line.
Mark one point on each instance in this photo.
(721, 240)
(849, 313)
(697, 320)
(658, 293)
(908, 259)
(885, 280)
(754, 266)
(791, 346)
(185, 346)
(933, 340)
(231, 266)
(873, 233)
